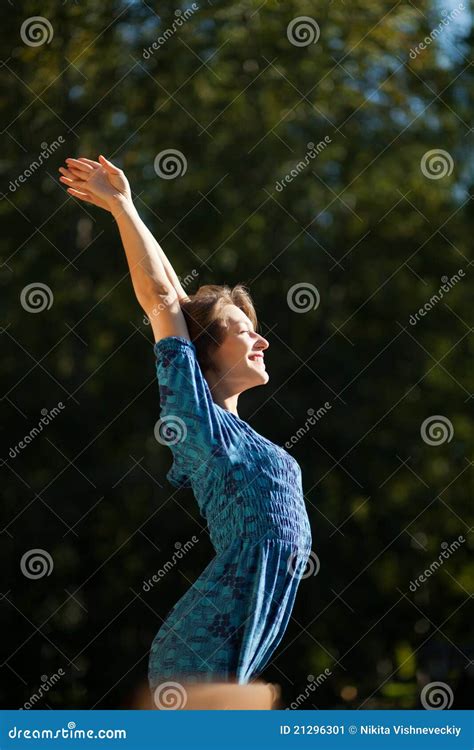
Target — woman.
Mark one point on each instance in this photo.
(208, 351)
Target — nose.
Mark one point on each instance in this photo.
(262, 343)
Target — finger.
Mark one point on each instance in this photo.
(73, 173)
(72, 183)
(84, 176)
(108, 165)
(91, 162)
(79, 165)
(79, 194)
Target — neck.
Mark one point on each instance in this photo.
(220, 396)
(229, 404)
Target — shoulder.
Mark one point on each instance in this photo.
(172, 343)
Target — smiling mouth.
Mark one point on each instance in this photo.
(257, 358)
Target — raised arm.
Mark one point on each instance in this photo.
(123, 209)
(156, 285)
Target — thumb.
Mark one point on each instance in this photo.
(108, 165)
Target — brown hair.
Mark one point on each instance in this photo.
(203, 315)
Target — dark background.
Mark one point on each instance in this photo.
(363, 223)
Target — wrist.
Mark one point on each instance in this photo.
(121, 204)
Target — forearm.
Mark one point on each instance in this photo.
(170, 272)
(151, 272)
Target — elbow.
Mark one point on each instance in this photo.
(157, 295)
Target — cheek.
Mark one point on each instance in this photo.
(234, 357)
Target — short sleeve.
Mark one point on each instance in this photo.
(188, 423)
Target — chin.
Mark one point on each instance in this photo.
(257, 378)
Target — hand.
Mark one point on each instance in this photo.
(71, 174)
(100, 183)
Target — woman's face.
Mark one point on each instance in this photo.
(239, 360)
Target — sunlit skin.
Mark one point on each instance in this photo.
(238, 362)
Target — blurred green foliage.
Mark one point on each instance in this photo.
(362, 223)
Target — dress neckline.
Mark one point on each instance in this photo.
(232, 414)
(261, 437)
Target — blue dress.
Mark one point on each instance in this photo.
(229, 623)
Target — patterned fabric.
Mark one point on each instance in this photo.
(249, 490)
